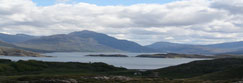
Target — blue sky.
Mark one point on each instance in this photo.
(104, 2)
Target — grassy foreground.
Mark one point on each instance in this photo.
(225, 70)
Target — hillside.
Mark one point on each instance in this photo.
(234, 47)
(8, 67)
(167, 47)
(237, 52)
(229, 47)
(89, 41)
(5, 44)
(15, 38)
(5, 51)
(205, 68)
(112, 42)
(8, 45)
(66, 43)
(227, 70)
(83, 41)
(233, 73)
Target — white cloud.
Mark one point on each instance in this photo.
(62, 1)
(185, 21)
(233, 6)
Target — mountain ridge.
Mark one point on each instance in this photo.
(82, 41)
(59, 43)
(197, 49)
(90, 41)
(124, 45)
(15, 38)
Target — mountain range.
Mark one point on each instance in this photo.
(15, 38)
(83, 41)
(167, 47)
(89, 41)
(222, 48)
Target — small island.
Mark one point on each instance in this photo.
(108, 55)
(5, 51)
(173, 55)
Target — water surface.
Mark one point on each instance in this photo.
(130, 62)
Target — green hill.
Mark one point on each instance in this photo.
(200, 68)
(232, 73)
(226, 70)
(8, 67)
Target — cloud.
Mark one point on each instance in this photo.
(62, 1)
(233, 6)
(185, 21)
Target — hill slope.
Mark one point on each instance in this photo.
(5, 51)
(204, 69)
(15, 38)
(112, 42)
(184, 48)
(83, 41)
(228, 45)
(233, 47)
(65, 43)
(222, 48)
(4, 44)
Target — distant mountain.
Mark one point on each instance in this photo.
(236, 52)
(229, 45)
(8, 45)
(89, 41)
(112, 42)
(185, 48)
(66, 43)
(5, 44)
(15, 38)
(83, 41)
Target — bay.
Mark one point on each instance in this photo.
(130, 62)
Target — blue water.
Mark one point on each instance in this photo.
(130, 62)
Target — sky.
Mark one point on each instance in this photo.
(102, 2)
(142, 21)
